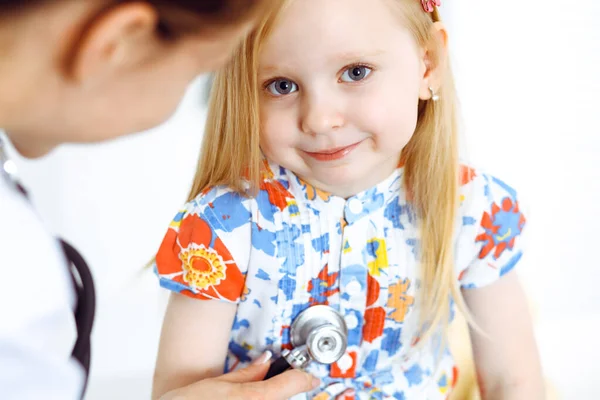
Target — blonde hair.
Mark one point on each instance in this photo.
(231, 156)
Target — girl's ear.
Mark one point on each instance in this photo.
(434, 57)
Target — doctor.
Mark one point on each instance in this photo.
(86, 71)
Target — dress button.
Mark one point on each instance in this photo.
(353, 288)
(351, 321)
(355, 206)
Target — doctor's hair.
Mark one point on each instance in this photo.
(176, 17)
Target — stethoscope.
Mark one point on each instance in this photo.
(80, 276)
(318, 334)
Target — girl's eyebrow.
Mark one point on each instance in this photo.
(343, 57)
(268, 69)
(352, 56)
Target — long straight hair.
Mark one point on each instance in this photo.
(231, 156)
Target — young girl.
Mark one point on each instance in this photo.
(330, 175)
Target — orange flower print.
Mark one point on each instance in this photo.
(399, 300)
(278, 194)
(203, 267)
(373, 289)
(374, 323)
(345, 367)
(467, 174)
(501, 227)
(312, 192)
(198, 260)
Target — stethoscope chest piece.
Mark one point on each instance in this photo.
(323, 331)
(318, 334)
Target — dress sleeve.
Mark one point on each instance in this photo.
(492, 242)
(197, 255)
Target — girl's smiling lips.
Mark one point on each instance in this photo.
(333, 154)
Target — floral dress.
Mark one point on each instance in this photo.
(293, 246)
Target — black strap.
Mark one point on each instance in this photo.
(82, 282)
(85, 309)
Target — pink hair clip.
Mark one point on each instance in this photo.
(429, 4)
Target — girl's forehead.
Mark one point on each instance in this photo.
(334, 29)
(316, 16)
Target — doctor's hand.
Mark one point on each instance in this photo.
(247, 384)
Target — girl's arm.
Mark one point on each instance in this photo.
(193, 343)
(507, 361)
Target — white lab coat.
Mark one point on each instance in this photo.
(37, 326)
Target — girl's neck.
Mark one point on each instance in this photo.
(354, 187)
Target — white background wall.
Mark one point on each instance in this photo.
(528, 79)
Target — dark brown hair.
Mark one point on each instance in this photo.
(177, 17)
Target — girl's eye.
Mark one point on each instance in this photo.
(356, 73)
(281, 87)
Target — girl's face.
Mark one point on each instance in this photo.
(340, 82)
